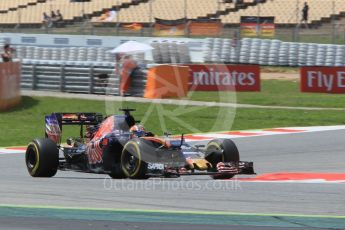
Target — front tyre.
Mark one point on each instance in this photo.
(221, 150)
(42, 158)
(131, 161)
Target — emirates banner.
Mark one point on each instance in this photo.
(170, 27)
(219, 77)
(252, 26)
(9, 85)
(205, 27)
(323, 79)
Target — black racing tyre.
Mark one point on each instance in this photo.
(117, 172)
(230, 153)
(42, 158)
(131, 161)
(112, 161)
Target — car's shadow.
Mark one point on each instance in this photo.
(80, 178)
(152, 178)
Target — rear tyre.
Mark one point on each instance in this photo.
(112, 161)
(221, 150)
(42, 158)
(117, 172)
(131, 161)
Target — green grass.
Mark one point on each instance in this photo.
(321, 38)
(276, 93)
(20, 125)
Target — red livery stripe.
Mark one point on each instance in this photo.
(297, 176)
(194, 137)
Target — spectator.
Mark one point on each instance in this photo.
(234, 41)
(111, 16)
(7, 54)
(53, 16)
(46, 21)
(305, 12)
(107, 16)
(59, 16)
(104, 16)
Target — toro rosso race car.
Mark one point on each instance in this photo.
(117, 146)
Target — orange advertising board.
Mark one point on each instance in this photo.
(167, 81)
(9, 85)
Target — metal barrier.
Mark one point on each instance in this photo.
(273, 52)
(91, 80)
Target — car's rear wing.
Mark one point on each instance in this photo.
(79, 118)
(55, 121)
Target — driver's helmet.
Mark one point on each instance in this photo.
(137, 130)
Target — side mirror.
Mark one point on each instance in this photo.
(167, 134)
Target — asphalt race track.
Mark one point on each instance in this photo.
(88, 201)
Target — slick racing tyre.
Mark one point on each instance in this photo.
(131, 161)
(221, 150)
(42, 158)
(112, 161)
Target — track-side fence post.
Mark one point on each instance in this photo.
(92, 81)
(34, 77)
(62, 78)
(333, 23)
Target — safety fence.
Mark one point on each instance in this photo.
(63, 78)
(273, 52)
(164, 81)
(174, 50)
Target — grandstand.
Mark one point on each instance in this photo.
(288, 12)
(6, 6)
(171, 10)
(29, 12)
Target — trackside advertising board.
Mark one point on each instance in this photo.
(220, 77)
(9, 85)
(323, 79)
